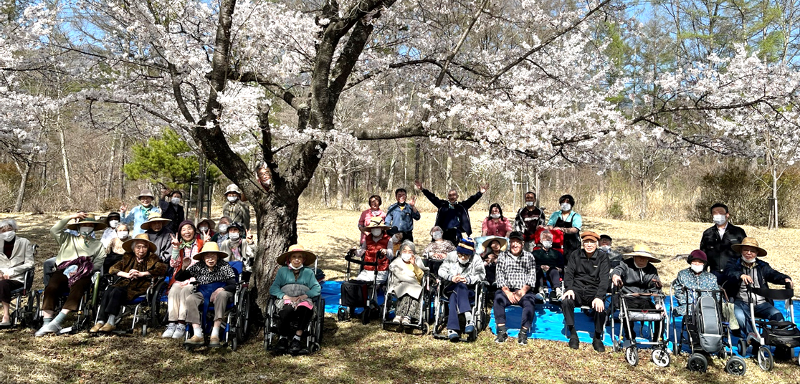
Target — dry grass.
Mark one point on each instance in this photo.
(356, 353)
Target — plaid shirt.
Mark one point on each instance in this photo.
(515, 273)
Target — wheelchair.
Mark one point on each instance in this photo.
(86, 307)
(659, 342)
(359, 294)
(235, 325)
(146, 309)
(24, 315)
(771, 333)
(441, 309)
(390, 301)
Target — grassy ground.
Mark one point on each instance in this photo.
(356, 353)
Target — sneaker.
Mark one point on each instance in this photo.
(522, 338)
(538, 297)
(195, 340)
(283, 345)
(573, 341)
(396, 320)
(598, 346)
(406, 320)
(213, 342)
(96, 328)
(108, 327)
(50, 327)
(559, 293)
(180, 331)
(294, 346)
(501, 337)
(169, 331)
(5, 324)
(453, 335)
(470, 327)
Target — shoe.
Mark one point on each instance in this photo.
(522, 338)
(501, 337)
(213, 342)
(453, 335)
(406, 320)
(50, 327)
(283, 345)
(96, 328)
(559, 293)
(5, 324)
(180, 332)
(598, 346)
(782, 353)
(195, 340)
(470, 327)
(538, 297)
(294, 346)
(169, 331)
(573, 341)
(396, 320)
(108, 327)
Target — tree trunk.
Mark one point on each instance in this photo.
(201, 185)
(121, 172)
(111, 166)
(643, 207)
(390, 179)
(774, 207)
(24, 172)
(62, 143)
(326, 185)
(340, 184)
(449, 172)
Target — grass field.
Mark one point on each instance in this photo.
(356, 353)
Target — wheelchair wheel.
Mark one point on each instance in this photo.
(321, 322)
(765, 359)
(242, 316)
(697, 363)
(632, 355)
(742, 347)
(736, 366)
(158, 308)
(234, 343)
(365, 315)
(660, 357)
(342, 314)
(34, 310)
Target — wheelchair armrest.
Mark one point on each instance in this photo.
(350, 258)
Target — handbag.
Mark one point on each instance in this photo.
(728, 313)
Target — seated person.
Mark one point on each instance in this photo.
(138, 266)
(492, 248)
(239, 249)
(185, 245)
(637, 274)
(586, 282)
(614, 257)
(216, 281)
(294, 288)
(377, 247)
(437, 250)
(516, 277)
(406, 284)
(460, 270)
(77, 257)
(550, 262)
(694, 277)
(222, 230)
(750, 271)
(114, 250)
(159, 231)
(112, 221)
(16, 256)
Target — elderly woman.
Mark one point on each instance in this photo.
(492, 247)
(377, 248)
(159, 231)
(374, 211)
(185, 245)
(222, 230)
(217, 284)
(138, 265)
(140, 213)
(406, 283)
(694, 277)
(77, 257)
(638, 275)
(16, 256)
(294, 288)
(238, 249)
(437, 250)
(112, 220)
(461, 270)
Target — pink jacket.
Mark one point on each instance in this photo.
(500, 228)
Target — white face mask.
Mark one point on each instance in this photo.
(547, 244)
(122, 234)
(376, 232)
(203, 228)
(565, 207)
(529, 203)
(436, 235)
(113, 223)
(7, 236)
(751, 261)
(462, 261)
(295, 268)
(234, 236)
(697, 268)
(232, 199)
(175, 201)
(84, 230)
(720, 219)
(605, 248)
(406, 257)
(495, 215)
(223, 228)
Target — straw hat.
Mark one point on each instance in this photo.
(308, 257)
(154, 217)
(376, 222)
(488, 242)
(128, 244)
(749, 242)
(89, 219)
(642, 251)
(210, 248)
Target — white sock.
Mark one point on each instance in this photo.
(214, 331)
(111, 319)
(198, 331)
(468, 316)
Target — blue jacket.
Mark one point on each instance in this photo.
(734, 271)
(401, 220)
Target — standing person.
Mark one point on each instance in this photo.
(112, 220)
(140, 213)
(77, 257)
(158, 230)
(16, 256)
(516, 277)
(401, 215)
(368, 214)
(452, 216)
(528, 219)
(114, 250)
(495, 224)
(237, 210)
(569, 222)
(171, 208)
(718, 240)
(586, 282)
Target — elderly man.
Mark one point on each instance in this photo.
(460, 270)
(638, 275)
(550, 262)
(237, 210)
(528, 219)
(401, 215)
(755, 273)
(516, 277)
(452, 216)
(718, 239)
(586, 282)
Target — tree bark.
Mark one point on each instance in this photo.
(24, 172)
(63, 146)
(111, 166)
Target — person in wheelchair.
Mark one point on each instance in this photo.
(459, 271)
(436, 251)
(77, 257)
(516, 277)
(16, 257)
(114, 250)
(638, 275)
(694, 277)
(295, 287)
(186, 244)
(550, 262)
(492, 249)
(216, 283)
(139, 264)
(378, 247)
(406, 283)
(749, 271)
(238, 249)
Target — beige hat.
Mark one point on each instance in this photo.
(154, 217)
(210, 248)
(145, 193)
(376, 222)
(233, 188)
(749, 242)
(89, 219)
(642, 251)
(128, 244)
(488, 242)
(308, 257)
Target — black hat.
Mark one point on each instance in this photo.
(516, 235)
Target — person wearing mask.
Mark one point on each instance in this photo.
(158, 230)
(368, 214)
(234, 208)
(460, 271)
(295, 287)
(171, 208)
(569, 222)
(452, 215)
(495, 224)
(586, 282)
(186, 244)
(16, 257)
(694, 277)
(551, 264)
(717, 241)
(436, 251)
(140, 213)
(239, 249)
(114, 250)
(528, 220)
(401, 215)
(222, 230)
(637, 275)
(516, 277)
(406, 284)
(206, 227)
(614, 257)
(379, 247)
(216, 284)
(112, 220)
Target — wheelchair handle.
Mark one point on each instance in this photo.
(361, 262)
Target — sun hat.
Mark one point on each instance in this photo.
(376, 222)
(308, 257)
(233, 188)
(154, 217)
(642, 250)
(145, 193)
(749, 242)
(210, 248)
(128, 244)
(488, 242)
(89, 219)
